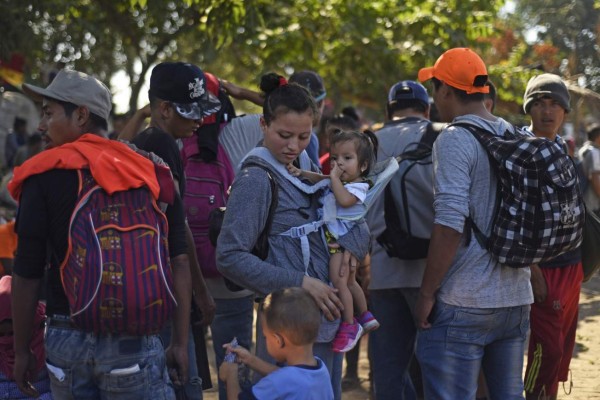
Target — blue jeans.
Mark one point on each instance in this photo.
(463, 340)
(87, 366)
(392, 345)
(233, 318)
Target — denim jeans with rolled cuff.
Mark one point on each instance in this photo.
(463, 340)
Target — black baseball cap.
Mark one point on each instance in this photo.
(184, 85)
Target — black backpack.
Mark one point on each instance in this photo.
(396, 241)
(261, 247)
(583, 178)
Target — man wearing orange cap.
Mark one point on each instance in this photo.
(472, 312)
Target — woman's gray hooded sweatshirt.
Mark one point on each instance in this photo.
(246, 216)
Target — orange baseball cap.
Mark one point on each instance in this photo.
(460, 68)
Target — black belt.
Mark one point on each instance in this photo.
(61, 321)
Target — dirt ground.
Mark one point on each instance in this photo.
(585, 365)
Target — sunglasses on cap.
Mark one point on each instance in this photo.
(188, 111)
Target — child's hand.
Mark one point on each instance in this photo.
(336, 171)
(242, 355)
(228, 371)
(293, 170)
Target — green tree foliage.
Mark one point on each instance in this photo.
(573, 28)
(104, 36)
(360, 47)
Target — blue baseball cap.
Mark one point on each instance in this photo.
(408, 90)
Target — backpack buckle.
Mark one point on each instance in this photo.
(297, 231)
(304, 230)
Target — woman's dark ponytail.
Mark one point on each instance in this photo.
(283, 96)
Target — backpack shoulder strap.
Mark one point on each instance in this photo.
(425, 145)
(262, 245)
(470, 227)
(390, 211)
(431, 134)
(85, 182)
(476, 130)
(423, 149)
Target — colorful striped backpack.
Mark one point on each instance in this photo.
(117, 273)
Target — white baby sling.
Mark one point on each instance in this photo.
(380, 176)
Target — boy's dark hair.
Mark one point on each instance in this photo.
(593, 133)
(294, 312)
(97, 121)
(366, 145)
(282, 97)
(462, 95)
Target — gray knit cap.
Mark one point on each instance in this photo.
(546, 85)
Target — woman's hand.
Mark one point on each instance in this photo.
(325, 296)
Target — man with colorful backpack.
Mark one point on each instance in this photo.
(471, 311)
(556, 283)
(91, 217)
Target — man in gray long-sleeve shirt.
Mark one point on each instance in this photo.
(472, 312)
(395, 283)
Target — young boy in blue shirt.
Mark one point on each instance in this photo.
(290, 320)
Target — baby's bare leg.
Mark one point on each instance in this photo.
(341, 284)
